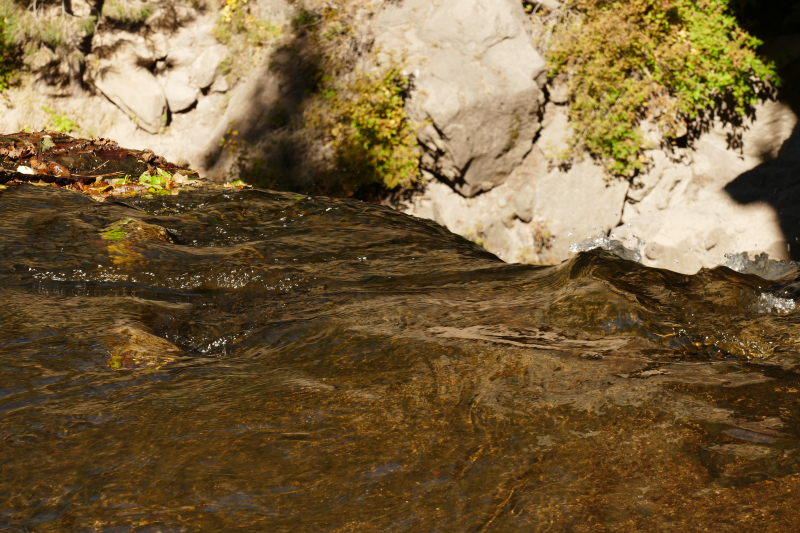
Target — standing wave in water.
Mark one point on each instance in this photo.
(245, 360)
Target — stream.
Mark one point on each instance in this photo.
(246, 360)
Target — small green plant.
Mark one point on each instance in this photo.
(665, 60)
(351, 134)
(61, 123)
(128, 12)
(158, 184)
(305, 20)
(116, 230)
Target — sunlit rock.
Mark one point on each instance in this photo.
(475, 83)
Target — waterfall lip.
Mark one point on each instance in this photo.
(761, 265)
(612, 245)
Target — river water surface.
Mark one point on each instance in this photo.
(243, 360)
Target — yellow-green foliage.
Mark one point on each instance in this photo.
(239, 17)
(6, 49)
(668, 60)
(369, 132)
(126, 11)
(351, 130)
(240, 27)
(361, 115)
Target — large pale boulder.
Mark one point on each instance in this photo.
(204, 68)
(579, 203)
(761, 135)
(538, 212)
(476, 84)
(180, 94)
(137, 92)
(132, 87)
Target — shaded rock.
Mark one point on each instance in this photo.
(776, 184)
(721, 198)
(771, 126)
(158, 45)
(128, 48)
(249, 109)
(204, 68)
(277, 12)
(180, 95)
(136, 91)
(475, 76)
(53, 82)
(558, 91)
(220, 85)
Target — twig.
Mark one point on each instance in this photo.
(97, 175)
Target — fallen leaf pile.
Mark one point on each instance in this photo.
(98, 167)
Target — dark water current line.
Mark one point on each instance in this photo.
(247, 360)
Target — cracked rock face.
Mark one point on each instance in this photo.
(476, 85)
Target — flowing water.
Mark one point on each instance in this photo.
(243, 360)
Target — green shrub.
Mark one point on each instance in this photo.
(367, 127)
(7, 60)
(27, 36)
(359, 116)
(127, 12)
(666, 60)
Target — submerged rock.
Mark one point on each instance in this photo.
(135, 348)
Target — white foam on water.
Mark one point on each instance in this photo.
(769, 303)
(761, 265)
(612, 245)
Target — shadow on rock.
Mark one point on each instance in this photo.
(777, 181)
(258, 134)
